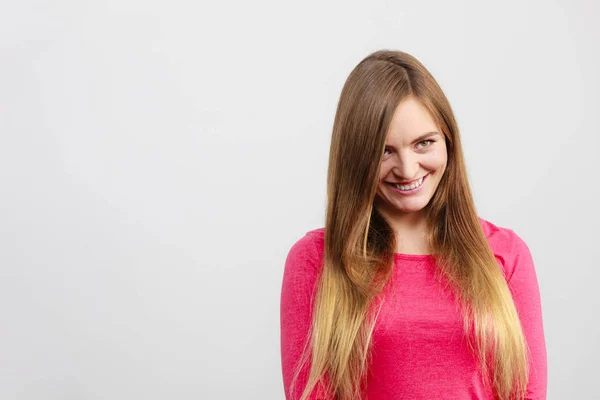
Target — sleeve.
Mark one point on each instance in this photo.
(525, 290)
(299, 279)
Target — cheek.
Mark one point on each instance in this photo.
(384, 170)
(435, 160)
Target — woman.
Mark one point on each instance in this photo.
(407, 293)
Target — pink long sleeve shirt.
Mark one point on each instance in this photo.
(419, 349)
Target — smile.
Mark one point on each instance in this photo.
(407, 188)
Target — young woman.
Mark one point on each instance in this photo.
(407, 293)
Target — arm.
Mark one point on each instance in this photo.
(299, 279)
(525, 290)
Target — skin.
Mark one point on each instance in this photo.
(407, 158)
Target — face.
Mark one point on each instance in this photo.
(415, 158)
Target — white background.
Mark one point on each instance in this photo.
(159, 159)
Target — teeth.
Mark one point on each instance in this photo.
(410, 187)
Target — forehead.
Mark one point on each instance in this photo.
(410, 120)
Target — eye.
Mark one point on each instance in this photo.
(428, 141)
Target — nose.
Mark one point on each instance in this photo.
(406, 166)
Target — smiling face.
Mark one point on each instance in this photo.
(415, 157)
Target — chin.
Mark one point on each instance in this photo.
(411, 210)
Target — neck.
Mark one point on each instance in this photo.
(410, 228)
(404, 222)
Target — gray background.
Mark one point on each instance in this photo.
(159, 159)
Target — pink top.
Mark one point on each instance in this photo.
(419, 348)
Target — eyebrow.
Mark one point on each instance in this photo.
(425, 136)
(422, 137)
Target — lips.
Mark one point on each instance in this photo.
(406, 183)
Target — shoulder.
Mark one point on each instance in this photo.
(306, 253)
(508, 247)
(311, 244)
(303, 265)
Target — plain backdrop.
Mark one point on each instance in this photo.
(159, 159)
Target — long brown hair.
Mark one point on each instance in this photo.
(359, 242)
